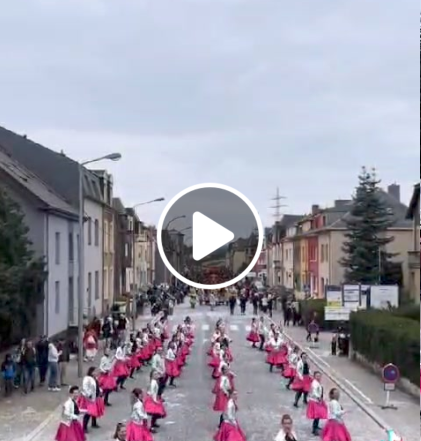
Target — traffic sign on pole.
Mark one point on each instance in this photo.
(390, 376)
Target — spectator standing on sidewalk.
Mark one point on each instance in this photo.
(63, 360)
(17, 358)
(29, 365)
(8, 371)
(53, 370)
(42, 358)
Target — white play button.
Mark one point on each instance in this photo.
(208, 236)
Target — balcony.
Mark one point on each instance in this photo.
(414, 260)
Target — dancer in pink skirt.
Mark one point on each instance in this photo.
(90, 401)
(120, 369)
(107, 381)
(316, 408)
(229, 429)
(335, 429)
(302, 380)
(291, 369)
(137, 429)
(153, 404)
(70, 428)
(253, 336)
(222, 393)
(275, 357)
(171, 365)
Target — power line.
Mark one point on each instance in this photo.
(278, 205)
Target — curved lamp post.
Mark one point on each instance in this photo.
(81, 246)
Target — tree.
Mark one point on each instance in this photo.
(365, 238)
(22, 275)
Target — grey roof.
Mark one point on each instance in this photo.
(35, 185)
(119, 206)
(56, 169)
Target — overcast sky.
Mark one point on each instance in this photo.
(250, 93)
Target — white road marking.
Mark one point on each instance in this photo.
(234, 328)
(205, 327)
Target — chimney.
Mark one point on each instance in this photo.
(315, 209)
(395, 191)
(339, 203)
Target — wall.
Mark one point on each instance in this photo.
(93, 260)
(336, 240)
(56, 318)
(288, 264)
(324, 270)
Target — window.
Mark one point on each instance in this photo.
(57, 298)
(111, 282)
(71, 301)
(106, 287)
(78, 246)
(89, 290)
(126, 250)
(327, 253)
(111, 232)
(89, 231)
(71, 248)
(96, 285)
(57, 248)
(96, 232)
(322, 285)
(322, 253)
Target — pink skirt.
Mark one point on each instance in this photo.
(268, 348)
(316, 410)
(302, 385)
(289, 372)
(134, 362)
(95, 408)
(107, 381)
(221, 401)
(216, 373)
(155, 408)
(120, 369)
(276, 358)
(171, 368)
(138, 432)
(253, 337)
(335, 431)
(73, 432)
(214, 362)
(229, 432)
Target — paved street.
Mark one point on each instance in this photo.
(262, 397)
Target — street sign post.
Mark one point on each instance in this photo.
(390, 376)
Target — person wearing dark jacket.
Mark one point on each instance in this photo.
(42, 358)
(29, 364)
(8, 371)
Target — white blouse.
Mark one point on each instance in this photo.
(281, 436)
(138, 413)
(120, 354)
(229, 415)
(89, 388)
(225, 384)
(316, 391)
(300, 369)
(106, 364)
(335, 411)
(153, 389)
(170, 355)
(68, 412)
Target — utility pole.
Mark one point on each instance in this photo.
(278, 205)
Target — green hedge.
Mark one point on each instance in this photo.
(408, 311)
(383, 337)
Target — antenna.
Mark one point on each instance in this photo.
(278, 205)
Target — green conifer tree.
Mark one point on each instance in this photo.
(365, 238)
(22, 275)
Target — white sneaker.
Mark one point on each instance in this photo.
(57, 389)
(50, 389)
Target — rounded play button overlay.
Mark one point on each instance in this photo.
(209, 236)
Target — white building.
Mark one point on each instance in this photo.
(52, 224)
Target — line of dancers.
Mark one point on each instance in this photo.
(145, 348)
(285, 358)
(225, 402)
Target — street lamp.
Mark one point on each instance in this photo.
(81, 246)
(134, 259)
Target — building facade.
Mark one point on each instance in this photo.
(52, 229)
(61, 173)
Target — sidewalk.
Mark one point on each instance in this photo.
(23, 416)
(363, 387)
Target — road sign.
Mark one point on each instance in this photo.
(390, 376)
(390, 373)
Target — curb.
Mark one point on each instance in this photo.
(373, 415)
